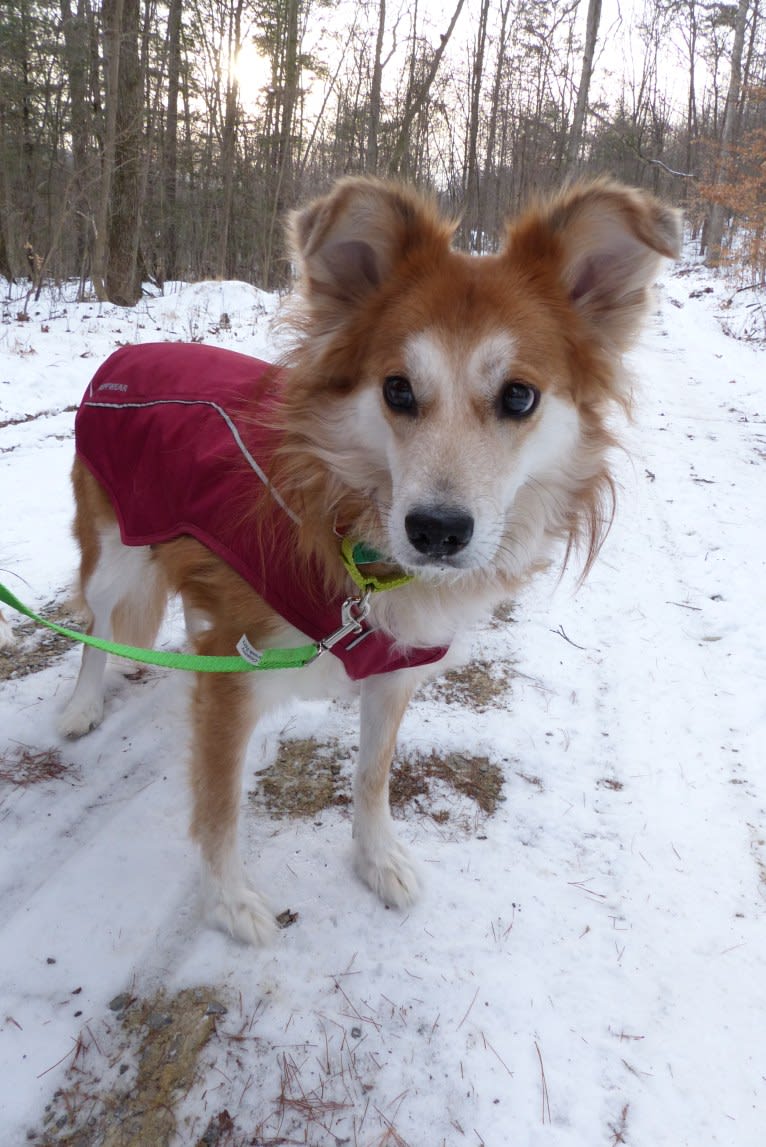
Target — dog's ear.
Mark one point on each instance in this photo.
(606, 243)
(347, 243)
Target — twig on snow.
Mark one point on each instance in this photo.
(546, 1104)
(560, 633)
(618, 1130)
(496, 1055)
(465, 1017)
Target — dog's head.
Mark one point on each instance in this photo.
(463, 398)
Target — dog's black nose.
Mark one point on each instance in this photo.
(439, 531)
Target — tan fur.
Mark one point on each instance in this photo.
(382, 294)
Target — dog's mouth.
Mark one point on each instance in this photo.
(438, 573)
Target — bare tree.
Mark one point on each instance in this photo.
(229, 139)
(116, 273)
(574, 144)
(492, 212)
(717, 217)
(287, 73)
(170, 173)
(375, 91)
(112, 16)
(75, 29)
(472, 186)
(418, 95)
(127, 136)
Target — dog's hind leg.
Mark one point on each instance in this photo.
(381, 861)
(125, 596)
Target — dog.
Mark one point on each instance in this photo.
(446, 412)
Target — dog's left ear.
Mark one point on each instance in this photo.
(347, 243)
(606, 242)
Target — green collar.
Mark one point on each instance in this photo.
(355, 554)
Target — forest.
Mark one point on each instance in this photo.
(155, 140)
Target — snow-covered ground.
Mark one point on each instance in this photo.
(588, 963)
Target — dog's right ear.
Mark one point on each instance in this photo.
(347, 243)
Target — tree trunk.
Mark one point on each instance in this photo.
(6, 202)
(115, 258)
(375, 93)
(692, 130)
(490, 159)
(27, 129)
(112, 24)
(170, 175)
(471, 228)
(75, 31)
(274, 273)
(418, 98)
(717, 216)
(581, 106)
(123, 280)
(229, 142)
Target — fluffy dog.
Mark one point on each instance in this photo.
(446, 412)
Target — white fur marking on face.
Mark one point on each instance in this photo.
(491, 360)
(552, 443)
(428, 364)
(449, 373)
(480, 371)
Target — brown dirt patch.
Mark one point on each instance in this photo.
(307, 778)
(504, 614)
(35, 647)
(128, 1098)
(477, 685)
(413, 782)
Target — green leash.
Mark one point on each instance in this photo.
(269, 659)
(354, 611)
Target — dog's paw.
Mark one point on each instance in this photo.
(80, 717)
(390, 871)
(244, 915)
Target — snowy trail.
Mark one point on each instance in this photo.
(587, 964)
(680, 728)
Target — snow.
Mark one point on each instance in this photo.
(587, 964)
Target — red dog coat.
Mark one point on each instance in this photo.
(172, 432)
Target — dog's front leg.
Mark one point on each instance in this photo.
(379, 858)
(224, 713)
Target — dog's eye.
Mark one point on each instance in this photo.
(517, 399)
(397, 393)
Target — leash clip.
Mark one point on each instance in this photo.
(353, 613)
